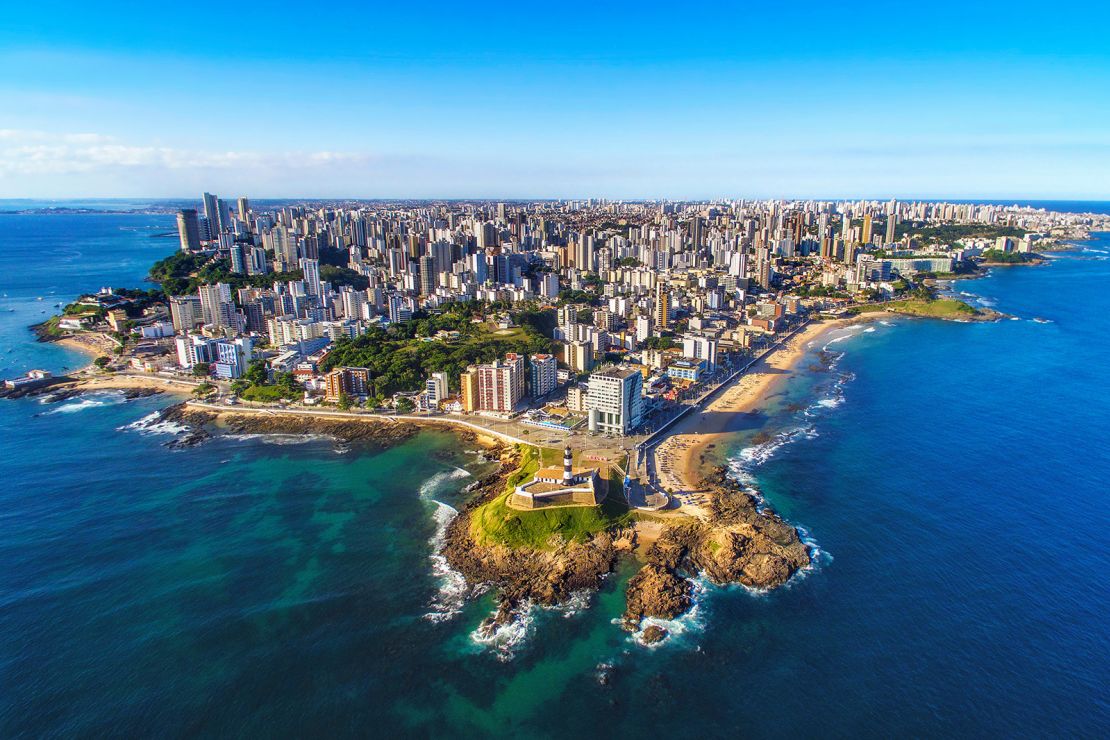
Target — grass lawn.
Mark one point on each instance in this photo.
(496, 523)
(263, 393)
(941, 308)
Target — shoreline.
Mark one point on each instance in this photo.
(484, 436)
(680, 459)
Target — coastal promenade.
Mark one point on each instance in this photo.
(671, 459)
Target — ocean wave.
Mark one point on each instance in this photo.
(755, 455)
(435, 484)
(153, 423)
(91, 400)
(578, 602)
(451, 589)
(503, 640)
(868, 330)
(840, 338)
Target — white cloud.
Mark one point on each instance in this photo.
(39, 153)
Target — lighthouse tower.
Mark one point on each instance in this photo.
(568, 472)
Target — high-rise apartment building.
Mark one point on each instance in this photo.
(188, 229)
(212, 213)
(543, 378)
(501, 384)
(662, 308)
(468, 389)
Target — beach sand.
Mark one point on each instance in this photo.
(92, 344)
(680, 460)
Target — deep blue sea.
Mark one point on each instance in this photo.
(955, 477)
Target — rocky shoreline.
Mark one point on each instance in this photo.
(526, 576)
(203, 424)
(64, 387)
(740, 543)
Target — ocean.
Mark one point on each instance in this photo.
(953, 476)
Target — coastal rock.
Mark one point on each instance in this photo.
(131, 394)
(653, 634)
(658, 592)
(740, 542)
(370, 430)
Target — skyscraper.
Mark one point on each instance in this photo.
(427, 275)
(866, 237)
(543, 375)
(212, 213)
(188, 229)
(244, 209)
(215, 304)
(311, 270)
(662, 308)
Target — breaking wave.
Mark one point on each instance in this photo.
(153, 423)
(92, 400)
(281, 439)
(503, 640)
(452, 589)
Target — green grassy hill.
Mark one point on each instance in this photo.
(494, 523)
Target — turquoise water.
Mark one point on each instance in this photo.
(953, 475)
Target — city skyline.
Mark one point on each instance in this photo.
(999, 102)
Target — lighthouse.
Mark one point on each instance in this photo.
(568, 471)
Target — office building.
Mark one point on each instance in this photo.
(614, 401)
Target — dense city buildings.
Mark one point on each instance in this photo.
(595, 315)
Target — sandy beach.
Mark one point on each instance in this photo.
(92, 343)
(679, 460)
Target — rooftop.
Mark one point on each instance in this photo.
(614, 372)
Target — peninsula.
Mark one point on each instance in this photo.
(599, 350)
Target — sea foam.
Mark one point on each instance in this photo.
(92, 400)
(153, 423)
(452, 589)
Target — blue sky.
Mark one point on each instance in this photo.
(862, 99)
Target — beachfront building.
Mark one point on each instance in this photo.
(697, 347)
(435, 389)
(688, 370)
(350, 381)
(468, 389)
(564, 486)
(614, 401)
(498, 387)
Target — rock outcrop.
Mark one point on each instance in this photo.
(656, 591)
(371, 431)
(525, 575)
(740, 542)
